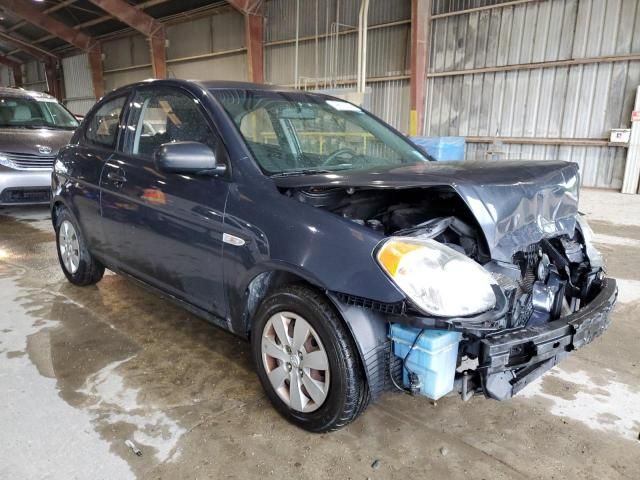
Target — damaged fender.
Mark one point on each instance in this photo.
(369, 330)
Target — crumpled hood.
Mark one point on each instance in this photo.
(516, 203)
(27, 140)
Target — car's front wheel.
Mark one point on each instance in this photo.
(307, 361)
(79, 266)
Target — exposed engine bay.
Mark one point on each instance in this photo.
(544, 281)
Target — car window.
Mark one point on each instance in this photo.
(291, 132)
(256, 127)
(162, 116)
(324, 134)
(35, 112)
(102, 128)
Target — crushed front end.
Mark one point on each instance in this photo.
(559, 300)
(510, 359)
(493, 253)
(551, 299)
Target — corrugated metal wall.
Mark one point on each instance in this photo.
(126, 60)
(567, 102)
(332, 62)
(78, 83)
(6, 76)
(214, 49)
(573, 102)
(34, 77)
(205, 48)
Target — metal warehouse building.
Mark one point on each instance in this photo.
(524, 79)
(320, 239)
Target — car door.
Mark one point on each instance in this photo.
(84, 163)
(169, 226)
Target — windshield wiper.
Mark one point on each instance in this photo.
(312, 171)
(303, 171)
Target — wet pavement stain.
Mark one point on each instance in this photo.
(99, 368)
(602, 405)
(30, 399)
(104, 364)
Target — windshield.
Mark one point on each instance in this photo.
(299, 133)
(24, 112)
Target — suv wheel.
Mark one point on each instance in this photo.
(78, 265)
(307, 361)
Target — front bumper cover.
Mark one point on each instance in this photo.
(24, 187)
(511, 360)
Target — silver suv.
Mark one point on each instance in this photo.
(33, 127)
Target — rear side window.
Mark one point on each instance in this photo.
(102, 128)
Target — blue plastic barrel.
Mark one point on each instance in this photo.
(442, 148)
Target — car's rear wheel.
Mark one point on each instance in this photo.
(78, 265)
(307, 361)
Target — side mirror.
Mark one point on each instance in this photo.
(187, 157)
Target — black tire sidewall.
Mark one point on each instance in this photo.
(323, 320)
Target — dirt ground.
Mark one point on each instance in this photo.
(84, 369)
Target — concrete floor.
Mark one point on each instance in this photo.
(84, 369)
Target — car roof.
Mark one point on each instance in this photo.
(21, 92)
(207, 84)
(229, 85)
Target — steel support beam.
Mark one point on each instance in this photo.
(27, 12)
(143, 23)
(25, 46)
(53, 80)
(51, 9)
(70, 35)
(632, 57)
(254, 36)
(158, 42)
(49, 59)
(93, 21)
(97, 72)
(248, 7)
(575, 142)
(420, 34)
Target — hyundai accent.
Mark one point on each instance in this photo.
(350, 260)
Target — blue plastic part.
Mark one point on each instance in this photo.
(442, 148)
(433, 359)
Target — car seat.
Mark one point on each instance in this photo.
(21, 114)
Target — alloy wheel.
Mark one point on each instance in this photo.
(295, 361)
(69, 247)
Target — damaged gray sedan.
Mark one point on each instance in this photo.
(352, 262)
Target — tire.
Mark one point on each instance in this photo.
(343, 383)
(85, 269)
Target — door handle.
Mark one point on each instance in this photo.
(116, 178)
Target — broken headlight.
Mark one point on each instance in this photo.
(439, 280)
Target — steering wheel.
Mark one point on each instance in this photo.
(338, 153)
